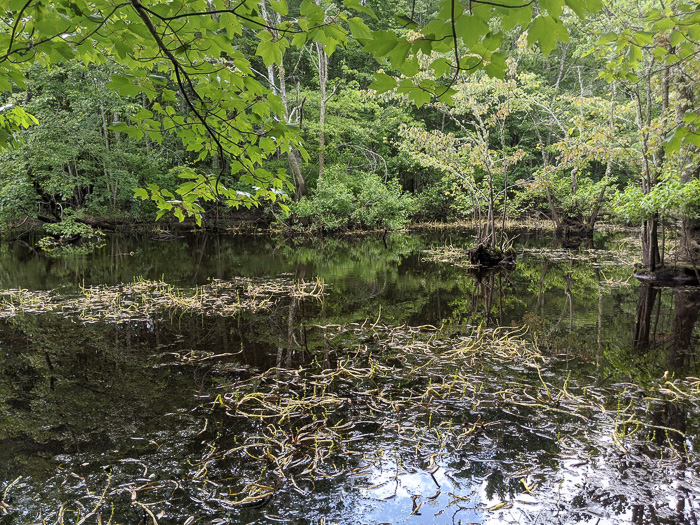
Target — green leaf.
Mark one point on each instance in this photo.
(643, 38)
(419, 97)
(664, 25)
(14, 5)
(280, 6)
(447, 7)
(694, 138)
(309, 9)
(382, 43)
(547, 31)
(497, 65)
(493, 41)
(439, 30)
(446, 96)
(470, 29)
(406, 22)
(140, 193)
(399, 53)
(383, 83)
(577, 7)
(270, 51)
(676, 38)
(358, 5)
(673, 142)
(440, 66)
(690, 117)
(553, 7)
(124, 86)
(410, 67)
(521, 16)
(359, 29)
(606, 39)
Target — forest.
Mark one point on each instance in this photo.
(332, 118)
(349, 261)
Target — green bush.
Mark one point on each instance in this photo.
(357, 200)
(441, 202)
(63, 234)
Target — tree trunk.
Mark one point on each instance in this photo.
(323, 85)
(690, 226)
(322, 63)
(650, 238)
(278, 83)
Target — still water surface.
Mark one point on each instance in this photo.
(181, 416)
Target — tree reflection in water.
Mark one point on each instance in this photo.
(677, 351)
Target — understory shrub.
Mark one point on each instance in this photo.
(63, 235)
(356, 200)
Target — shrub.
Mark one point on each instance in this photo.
(357, 200)
(63, 234)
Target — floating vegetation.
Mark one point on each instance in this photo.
(417, 403)
(596, 258)
(524, 223)
(141, 299)
(452, 423)
(449, 255)
(298, 415)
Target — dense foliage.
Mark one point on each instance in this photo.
(354, 200)
(490, 111)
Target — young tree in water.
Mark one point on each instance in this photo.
(582, 142)
(478, 155)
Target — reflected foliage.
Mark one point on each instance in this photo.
(336, 405)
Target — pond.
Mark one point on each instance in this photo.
(258, 379)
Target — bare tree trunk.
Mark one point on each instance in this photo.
(295, 165)
(562, 62)
(278, 83)
(111, 186)
(146, 136)
(650, 238)
(323, 85)
(552, 209)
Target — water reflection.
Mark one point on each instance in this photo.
(401, 436)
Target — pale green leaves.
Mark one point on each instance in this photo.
(198, 188)
(466, 40)
(666, 38)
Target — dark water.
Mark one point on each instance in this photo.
(127, 419)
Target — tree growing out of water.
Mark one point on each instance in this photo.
(582, 144)
(477, 154)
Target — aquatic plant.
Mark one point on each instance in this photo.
(142, 299)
